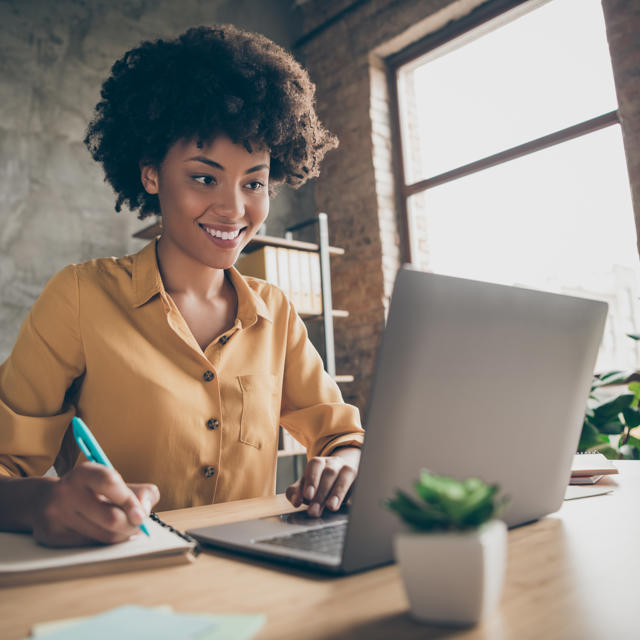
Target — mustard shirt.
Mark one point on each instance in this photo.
(105, 341)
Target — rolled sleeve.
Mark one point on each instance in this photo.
(313, 410)
(34, 380)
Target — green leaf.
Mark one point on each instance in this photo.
(415, 514)
(634, 387)
(611, 377)
(609, 410)
(635, 444)
(631, 417)
(588, 437)
(634, 336)
(607, 451)
(446, 503)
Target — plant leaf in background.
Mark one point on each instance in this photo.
(608, 421)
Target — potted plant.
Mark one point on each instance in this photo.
(612, 420)
(452, 556)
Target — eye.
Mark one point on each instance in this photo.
(204, 179)
(256, 185)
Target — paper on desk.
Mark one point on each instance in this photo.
(233, 627)
(137, 623)
(575, 491)
(44, 629)
(225, 627)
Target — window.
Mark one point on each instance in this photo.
(514, 169)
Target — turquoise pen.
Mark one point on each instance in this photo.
(90, 447)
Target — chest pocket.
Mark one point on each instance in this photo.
(260, 397)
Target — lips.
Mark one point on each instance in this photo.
(223, 237)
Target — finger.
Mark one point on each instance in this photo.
(325, 485)
(341, 488)
(294, 493)
(109, 483)
(103, 514)
(99, 533)
(311, 478)
(147, 494)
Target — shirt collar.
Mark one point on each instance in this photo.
(146, 275)
(250, 304)
(147, 283)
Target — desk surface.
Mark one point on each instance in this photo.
(574, 574)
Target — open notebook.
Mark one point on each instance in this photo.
(22, 560)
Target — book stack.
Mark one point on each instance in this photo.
(296, 272)
(588, 468)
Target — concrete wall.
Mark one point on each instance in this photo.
(54, 55)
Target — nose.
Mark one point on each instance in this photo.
(228, 202)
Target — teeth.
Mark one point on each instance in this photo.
(223, 235)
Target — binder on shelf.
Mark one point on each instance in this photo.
(295, 281)
(304, 261)
(262, 263)
(283, 270)
(316, 283)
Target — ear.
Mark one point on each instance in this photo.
(149, 178)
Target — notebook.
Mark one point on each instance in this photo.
(588, 468)
(23, 560)
(473, 379)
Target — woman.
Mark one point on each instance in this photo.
(182, 368)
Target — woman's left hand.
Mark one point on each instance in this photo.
(326, 481)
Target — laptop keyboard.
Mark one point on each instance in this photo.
(327, 540)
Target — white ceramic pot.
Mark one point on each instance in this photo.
(453, 578)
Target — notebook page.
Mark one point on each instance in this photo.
(19, 551)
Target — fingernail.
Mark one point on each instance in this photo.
(332, 502)
(309, 492)
(146, 505)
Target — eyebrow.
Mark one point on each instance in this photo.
(217, 165)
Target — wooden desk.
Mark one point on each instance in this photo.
(574, 574)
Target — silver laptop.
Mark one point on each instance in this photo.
(472, 379)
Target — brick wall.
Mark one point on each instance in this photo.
(622, 18)
(357, 188)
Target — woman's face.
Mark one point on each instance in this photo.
(213, 198)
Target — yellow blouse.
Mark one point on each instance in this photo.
(106, 342)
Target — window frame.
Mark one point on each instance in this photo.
(494, 10)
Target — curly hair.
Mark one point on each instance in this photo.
(206, 82)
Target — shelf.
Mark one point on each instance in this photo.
(257, 242)
(254, 244)
(336, 313)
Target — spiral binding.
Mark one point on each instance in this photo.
(196, 549)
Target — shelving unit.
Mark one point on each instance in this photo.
(328, 314)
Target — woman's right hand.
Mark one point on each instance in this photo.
(91, 504)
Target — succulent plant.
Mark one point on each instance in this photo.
(446, 504)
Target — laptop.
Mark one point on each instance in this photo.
(472, 379)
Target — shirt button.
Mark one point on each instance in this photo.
(208, 376)
(212, 423)
(209, 471)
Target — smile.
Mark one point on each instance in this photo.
(223, 235)
(223, 239)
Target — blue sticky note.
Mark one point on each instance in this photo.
(137, 623)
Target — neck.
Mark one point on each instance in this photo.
(183, 275)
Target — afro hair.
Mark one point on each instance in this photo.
(206, 82)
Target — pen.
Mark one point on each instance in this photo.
(90, 447)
